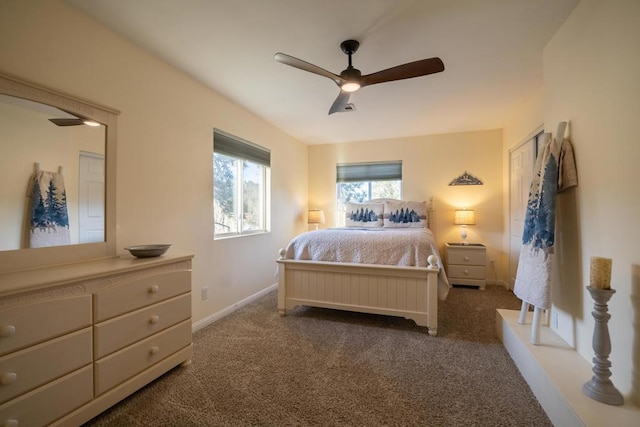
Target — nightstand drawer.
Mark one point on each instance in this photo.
(466, 256)
(465, 272)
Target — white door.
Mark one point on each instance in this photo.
(521, 161)
(91, 198)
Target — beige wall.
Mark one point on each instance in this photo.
(165, 137)
(429, 163)
(591, 69)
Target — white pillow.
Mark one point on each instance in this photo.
(364, 214)
(405, 214)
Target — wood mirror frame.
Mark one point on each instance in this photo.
(21, 259)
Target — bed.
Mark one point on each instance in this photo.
(344, 268)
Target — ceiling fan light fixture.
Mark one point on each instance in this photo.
(350, 86)
(90, 122)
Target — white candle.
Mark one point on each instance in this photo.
(600, 273)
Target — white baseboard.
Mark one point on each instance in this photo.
(228, 310)
(555, 373)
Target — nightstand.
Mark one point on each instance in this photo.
(466, 264)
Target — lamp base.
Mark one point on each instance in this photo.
(463, 234)
(603, 391)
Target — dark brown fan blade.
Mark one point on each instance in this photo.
(341, 101)
(303, 65)
(67, 122)
(404, 71)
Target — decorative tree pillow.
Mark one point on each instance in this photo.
(364, 214)
(405, 214)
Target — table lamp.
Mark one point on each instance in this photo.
(316, 216)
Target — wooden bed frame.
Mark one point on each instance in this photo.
(409, 292)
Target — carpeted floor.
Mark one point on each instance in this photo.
(320, 367)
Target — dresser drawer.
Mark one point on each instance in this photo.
(49, 402)
(135, 294)
(27, 369)
(466, 256)
(140, 324)
(465, 272)
(124, 364)
(27, 324)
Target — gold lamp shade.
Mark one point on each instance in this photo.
(464, 217)
(316, 216)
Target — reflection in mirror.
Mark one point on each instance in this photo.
(37, 136)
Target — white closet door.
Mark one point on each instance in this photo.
(91, 204)
(521, 161)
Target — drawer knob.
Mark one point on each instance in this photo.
(154, 350)
(10, 423)
(153, 289)
(466, 258)
(466, 272)
(8, 378)
(7, 331)
(154, 319)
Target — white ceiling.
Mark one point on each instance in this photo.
(492, 51)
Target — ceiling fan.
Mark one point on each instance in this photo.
(351, 79)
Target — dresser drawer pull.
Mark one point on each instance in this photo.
(154, 319)
(8, 378)
(7, 331)
(466, 272)
(154, 350)
(10, 423)
(466, 258)
(153, 289)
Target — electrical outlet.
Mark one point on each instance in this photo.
(205, 293)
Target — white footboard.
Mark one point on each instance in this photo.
(409, 292)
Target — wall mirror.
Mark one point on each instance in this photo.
(62, 148)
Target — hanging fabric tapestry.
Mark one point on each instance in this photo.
(49, 219)
(554, 171)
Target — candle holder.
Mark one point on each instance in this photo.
(600, 387)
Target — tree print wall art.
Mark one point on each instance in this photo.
(49, 219)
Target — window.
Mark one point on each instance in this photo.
(360, 182)
(241, 172)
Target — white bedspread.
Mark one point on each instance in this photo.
(407, 247)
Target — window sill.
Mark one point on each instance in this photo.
(234, 236)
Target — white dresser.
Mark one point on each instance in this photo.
(76, 339)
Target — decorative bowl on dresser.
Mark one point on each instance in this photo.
(77, 338)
